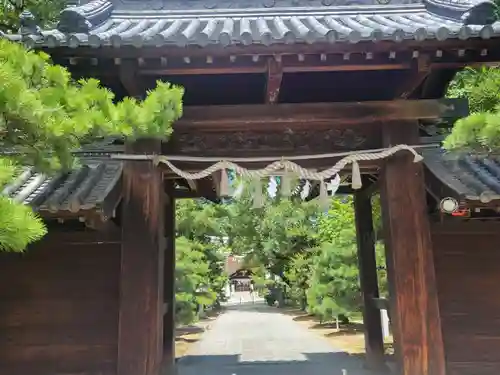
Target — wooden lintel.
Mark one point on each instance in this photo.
(344, 67)
(204, 70)
(273, 83)
(186, 194)
(237, 116)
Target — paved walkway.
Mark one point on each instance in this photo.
(253, 339)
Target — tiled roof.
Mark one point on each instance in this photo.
(85, 188)
(104, 23)
(471, 177)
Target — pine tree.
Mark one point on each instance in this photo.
(45, 12)
(479, 132)
(45, 115)
(201, 277)
(192, 281)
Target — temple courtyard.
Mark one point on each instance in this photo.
(250, 338)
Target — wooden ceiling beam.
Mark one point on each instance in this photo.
(272, 116)
(208, 62)
(316, 48)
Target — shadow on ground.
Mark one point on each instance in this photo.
(315, 364)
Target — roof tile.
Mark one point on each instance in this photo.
(99, 23)
(84, 188)
(472, 177)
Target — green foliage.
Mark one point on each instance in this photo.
(45, 12)
(274, 234)
(44, 116)
(479, 85)
(19, 226)
(334, 284)
(200, 271)
(200, 219)
(293, 250)
(192, 280)
(298, 273)
(481, 130)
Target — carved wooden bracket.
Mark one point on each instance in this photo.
(129, 77)
(420, 72)
(274, 77)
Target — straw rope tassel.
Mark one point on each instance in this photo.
(356, 182)
(324, 200)
(417, 157)
(286, 182)
(258, 198)
(224, 190)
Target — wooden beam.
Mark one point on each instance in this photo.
(274, 77)
(209, 187)
(374, 340)
(168, 365)
(129, 78)
(420, 72)
(215, 51)
(140, 329)
(209, 70)
(186, 194)
(242, 116)
(412, 283)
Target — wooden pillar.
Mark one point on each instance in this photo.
(374, 340)
(169, 284)
(140, 329)
(412, 286)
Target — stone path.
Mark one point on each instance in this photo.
(253, 339)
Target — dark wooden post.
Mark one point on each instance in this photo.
(169, 284)
(140, 329)
(374, 340)
(412, 286)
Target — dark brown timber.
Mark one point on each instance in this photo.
(412, 283)
(274, 77)
(169, 283)
(374, 341)
(141, 279)
(421, 70)
(236, 116)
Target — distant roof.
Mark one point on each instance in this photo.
(94, 186)
(86, 188)
(471, 178)
(265, 22)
